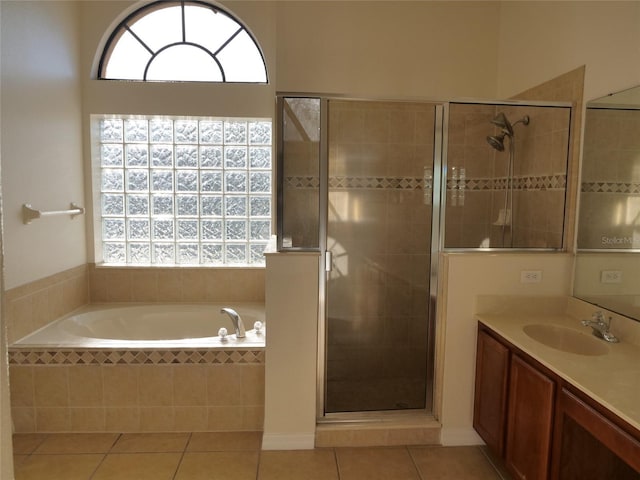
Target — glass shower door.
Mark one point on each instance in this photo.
(378, 328)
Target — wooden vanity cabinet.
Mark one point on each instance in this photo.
(529, 421)
(490, 401)
(513, 408)
(590, 444)
(541, 426)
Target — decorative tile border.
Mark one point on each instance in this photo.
(610, 187)
(533, 182)
(135, 357)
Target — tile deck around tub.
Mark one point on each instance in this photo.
(232, 456)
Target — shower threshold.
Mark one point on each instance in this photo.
(366, 429)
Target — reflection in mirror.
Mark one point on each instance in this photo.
(608, 261)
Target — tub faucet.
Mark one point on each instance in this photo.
(600, 327)
(237, 321)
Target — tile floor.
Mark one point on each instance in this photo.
(232, 456)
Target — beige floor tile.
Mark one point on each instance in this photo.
(318, 464)
(151, 442)
(218, 466)
(57, 467)
(224, 441)
(453, 463)
(77, 443)
(25, 443)
(375, 464)
(138, 466)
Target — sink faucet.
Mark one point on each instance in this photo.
(237, 321)
(600, 327)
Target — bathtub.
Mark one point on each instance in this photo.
(150, 326)
(140, 368)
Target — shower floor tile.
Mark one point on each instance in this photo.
(233, 456)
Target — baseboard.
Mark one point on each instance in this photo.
(288, 441)
(459, 436)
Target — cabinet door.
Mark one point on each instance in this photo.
(591, 446)
(529, 422)
(490, 402)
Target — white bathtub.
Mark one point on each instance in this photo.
(150, 326)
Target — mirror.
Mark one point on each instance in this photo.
(608, 260)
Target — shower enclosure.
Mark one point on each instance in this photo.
(380, 188)
(506, 175)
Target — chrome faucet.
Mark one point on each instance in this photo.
(600, 327)
(237, 321)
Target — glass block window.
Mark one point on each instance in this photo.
(170, 40)
(184, 191)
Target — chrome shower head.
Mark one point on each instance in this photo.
(497, 141)
(501, 121)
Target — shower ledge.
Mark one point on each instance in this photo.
(413, 430)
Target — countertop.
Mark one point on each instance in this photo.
(612, 379)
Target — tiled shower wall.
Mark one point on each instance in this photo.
(568, 87)
(540, 163)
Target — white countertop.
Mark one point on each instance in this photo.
(612, 379)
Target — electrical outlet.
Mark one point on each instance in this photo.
(530, 276)
(611, 276)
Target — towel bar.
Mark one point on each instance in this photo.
(29, 213)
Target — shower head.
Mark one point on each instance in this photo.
(501, 121)
(497, 141)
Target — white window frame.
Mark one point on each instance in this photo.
(198, 41)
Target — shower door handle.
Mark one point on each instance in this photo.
(328, 261)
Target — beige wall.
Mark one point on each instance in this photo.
(466, 276)
(389, 49)
(540, 40)
(41, 138)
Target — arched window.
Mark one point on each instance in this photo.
(186, 40)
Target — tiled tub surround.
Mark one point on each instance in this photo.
(137, 390)
(32, 306)
(97, 390)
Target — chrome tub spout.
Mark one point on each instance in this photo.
(237, 321)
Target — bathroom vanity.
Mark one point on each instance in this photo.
(565, 409)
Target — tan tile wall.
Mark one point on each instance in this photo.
(568, 87)
(31, 306)
(137, 398)
(540, 152)
(112, 284)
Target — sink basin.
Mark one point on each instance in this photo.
(566, 339)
